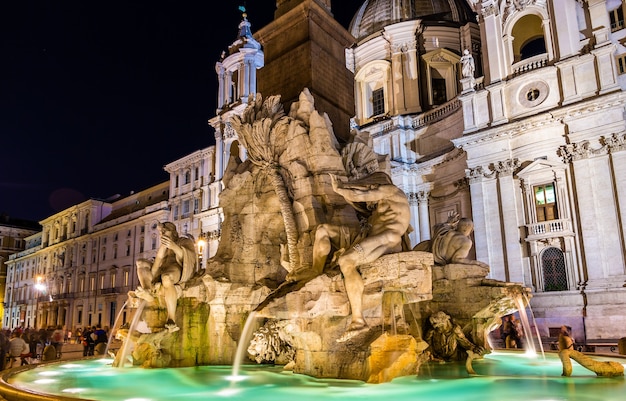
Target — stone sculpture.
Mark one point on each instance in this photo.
(175, 262)
(451, 242)
(447, 340)
(271, 344)
(467, 64)
(388, 215)
(567, 352)
(281, 207)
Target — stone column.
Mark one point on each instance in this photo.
(486, 217)
(597, 211)
(397, 71)
(228, 83)
(221, 98)
(508, 206)
(600, 21)
(491, 38)
(617, 149)
(424, 218)
(566, 28)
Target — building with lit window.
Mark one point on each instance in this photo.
(532, 147)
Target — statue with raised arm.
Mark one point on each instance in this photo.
(175, 263)
(385, 212)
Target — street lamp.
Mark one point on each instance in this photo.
(40, 287)
(200, 246)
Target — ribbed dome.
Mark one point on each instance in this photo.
(373, 15)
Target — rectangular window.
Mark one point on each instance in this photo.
(378, 102)
(621, 63)
(617, 19)
(126, 278)
(545, 202)
(196, 205)
(439, 91)
(185, 209)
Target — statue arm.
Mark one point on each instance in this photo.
(463, 246)
(465, 343)
(366, 194)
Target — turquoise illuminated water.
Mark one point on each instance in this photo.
(501, 376)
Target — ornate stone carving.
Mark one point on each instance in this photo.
(506, 167)
(476, 174)
(229, 131)
(615, 142)
(575, 151)
(271, 344)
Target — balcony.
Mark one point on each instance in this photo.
(529, 64)
(549, 229)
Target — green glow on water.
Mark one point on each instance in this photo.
(501, 376)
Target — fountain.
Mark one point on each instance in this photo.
(286, 208)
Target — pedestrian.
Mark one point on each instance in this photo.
(87, 341)
(57, 340)
(17, 348)
(100, 341)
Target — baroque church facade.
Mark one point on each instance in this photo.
(530, 145)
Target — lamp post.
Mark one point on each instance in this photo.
(200, 246)
(40, 287)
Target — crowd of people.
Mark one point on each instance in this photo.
(23, 346)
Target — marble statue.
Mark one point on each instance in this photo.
(271, 344)
(467, 64)
(175, 263)
(451, 242)
(567, 351)
(388, 214)
(314, 242)
(447, 340)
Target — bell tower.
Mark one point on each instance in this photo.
(305, 48)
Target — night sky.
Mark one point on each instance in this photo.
(96, 97)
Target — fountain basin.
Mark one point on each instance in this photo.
(500, 375)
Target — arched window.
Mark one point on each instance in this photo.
(373, 93)
(553, 267)
(528, 38)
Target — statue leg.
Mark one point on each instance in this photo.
(144, 273)
(321, 249)
(171, 299)
(354, 289)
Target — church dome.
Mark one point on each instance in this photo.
(374, 15)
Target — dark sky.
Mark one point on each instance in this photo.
(97, 96)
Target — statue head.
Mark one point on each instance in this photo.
(440, 320)
(465, 226)
(168, 229)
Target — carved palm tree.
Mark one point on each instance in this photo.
(262, 129)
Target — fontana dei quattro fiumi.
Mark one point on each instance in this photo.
(352, 263)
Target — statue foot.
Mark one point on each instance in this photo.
(143, 294)
(171, 326)
(353, 330)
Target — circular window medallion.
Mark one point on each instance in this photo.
(533, 94)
